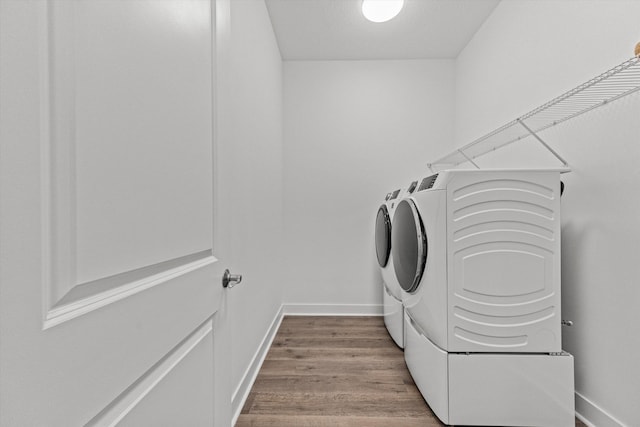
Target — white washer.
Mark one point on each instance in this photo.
(391, 292)
(477, 254)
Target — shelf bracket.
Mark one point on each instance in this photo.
(544, 144)
(468, 159)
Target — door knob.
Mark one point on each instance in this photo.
(230, 280)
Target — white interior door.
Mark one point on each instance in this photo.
(111, 304)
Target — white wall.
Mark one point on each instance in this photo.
(353, 131)
(251, 173)
(527, 53)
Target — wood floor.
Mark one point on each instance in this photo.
(335, 371)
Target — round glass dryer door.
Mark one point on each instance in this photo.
(383, 236)
(409, 245)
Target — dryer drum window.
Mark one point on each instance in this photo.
(409, 245)
(383, 236)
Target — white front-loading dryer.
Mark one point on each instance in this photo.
(420, 261)
(392, 303)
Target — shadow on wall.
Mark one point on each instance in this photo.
(574, 243)
(376, 274)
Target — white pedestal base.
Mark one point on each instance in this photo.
(393, 317)
(492, 389)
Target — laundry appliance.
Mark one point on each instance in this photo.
(477, 256)
(391, 294)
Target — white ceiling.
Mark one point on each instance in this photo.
(336, 29)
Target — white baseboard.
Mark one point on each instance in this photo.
(242, 390)
(593, 415)
(333, 309)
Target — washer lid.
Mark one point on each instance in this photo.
(383, 236)
(409, 245)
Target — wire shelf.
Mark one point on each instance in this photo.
(609, 86)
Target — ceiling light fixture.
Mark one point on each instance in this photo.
(381, 10)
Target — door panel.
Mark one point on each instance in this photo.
(130, 152)
(111, 303)
(140, 120)
(182, 398)
(175, 391)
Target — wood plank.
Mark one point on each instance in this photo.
(364, 355)
(325, 342)
(340, 321)
(383, 383)
(335, 332)
(340, 404)
(277, 367)
(249, 420)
